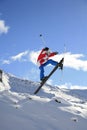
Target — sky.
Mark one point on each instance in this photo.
(63, 25)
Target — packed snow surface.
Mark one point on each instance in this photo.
(52, 108)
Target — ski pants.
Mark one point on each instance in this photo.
(50, 61)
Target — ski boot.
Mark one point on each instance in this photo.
(61, 64)
(44, 78)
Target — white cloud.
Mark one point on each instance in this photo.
(74, 61)
(70, 86)
(70, 60)
(6, 62)
(20, 56)
(33, 56)
(3, 27)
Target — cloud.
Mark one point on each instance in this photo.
(21, 57)
(33, 56)
(73, 61)
(70, 86)
(3, 27)
(6, 62)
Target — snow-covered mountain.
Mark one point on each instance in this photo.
(21, 110)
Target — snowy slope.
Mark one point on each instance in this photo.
(19, 112)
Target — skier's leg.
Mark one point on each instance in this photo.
(41, 72)
(52, 62)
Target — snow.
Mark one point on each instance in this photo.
(21, 110)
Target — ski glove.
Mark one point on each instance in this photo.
(56, 53)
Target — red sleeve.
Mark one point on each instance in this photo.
(52, 54)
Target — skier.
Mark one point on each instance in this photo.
(43, 60)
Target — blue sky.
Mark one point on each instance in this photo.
(62, 22)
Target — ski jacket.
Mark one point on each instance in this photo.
(44, 56)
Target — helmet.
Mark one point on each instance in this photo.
(46, 48)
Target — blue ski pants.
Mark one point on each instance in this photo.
(50, 61)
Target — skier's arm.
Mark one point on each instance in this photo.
(53, 54)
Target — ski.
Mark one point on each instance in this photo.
(54, 69)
